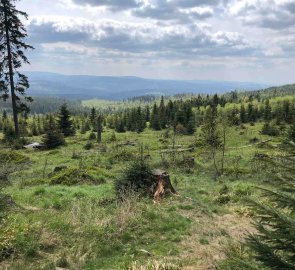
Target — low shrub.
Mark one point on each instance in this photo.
(137, 177)
(223, 198)
(88, 146)
(123, 156)
(270, 129)
(75, 176)
(13, 157)
(92, 136)
(241, 190)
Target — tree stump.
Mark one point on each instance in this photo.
(161, 185)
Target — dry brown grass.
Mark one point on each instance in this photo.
(127, 210)
(154, 265)
(83, 213)
(209, 238)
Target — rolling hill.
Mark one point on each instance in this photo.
(117, 88)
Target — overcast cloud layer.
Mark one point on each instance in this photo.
(242, 40)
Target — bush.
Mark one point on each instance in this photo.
(123, 156)
(74, 176)
(180, 129)
(223, 198)
(270, 129)
(92, 136)
(9, 133)
(138, 177)
(88, 146)
(13, 157)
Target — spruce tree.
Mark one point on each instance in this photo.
(52, 138)
(251, 113)
(162, 113)
(99, 128)
(12, 47)
(243, 116)
(92, 118)
(65, 123)
(155, 118)
(119, 126)
(191, 127)
(140, 121)
(210, 134)
(147, 114)
(274, 244)
(267, 111)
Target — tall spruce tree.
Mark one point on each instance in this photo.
(65, 123)
(92, 118)
(243, 116)
(210, 134)
(155, 118)
(267, 111)
(12, 47)
(52, 138)
(274, 244)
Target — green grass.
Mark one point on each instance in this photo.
(83, 226)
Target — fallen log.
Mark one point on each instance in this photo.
(191, 149)
(175, 146)
(250, 145)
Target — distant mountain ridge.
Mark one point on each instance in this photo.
(117, 88)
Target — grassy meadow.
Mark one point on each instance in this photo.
(57, 222)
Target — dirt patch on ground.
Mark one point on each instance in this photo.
(209, 237)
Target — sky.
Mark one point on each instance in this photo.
(231, 40)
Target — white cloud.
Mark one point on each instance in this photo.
(272, 14)
(183, 38)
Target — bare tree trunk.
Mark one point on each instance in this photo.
(12, 88)
(99, 128)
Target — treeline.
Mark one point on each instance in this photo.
(183, 115)
(174, 113)
(186, 115)
(53, 127)
(43, 105)
(271, 92)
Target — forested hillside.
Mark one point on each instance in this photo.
(83, 194)
(117, 88)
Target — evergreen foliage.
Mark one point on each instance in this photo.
(12, 47)
(92, 118)
(65, 123)
(52, 138)
(270, 129)
(274, 244)
(137, 177)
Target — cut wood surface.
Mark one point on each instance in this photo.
(162, 184)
